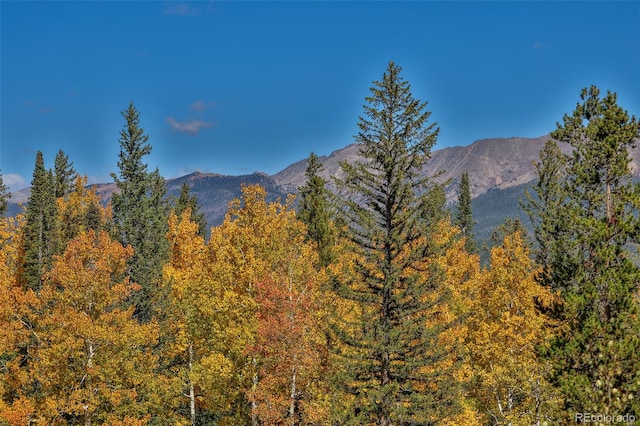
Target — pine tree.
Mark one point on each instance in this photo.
(544, 208)
(5, 195)
(598, 355)
(314, 210)
(464, 216)
(511, 225)
(140, 213)
(64, 174)
(389, 343)
(40, 228)
(185, 201)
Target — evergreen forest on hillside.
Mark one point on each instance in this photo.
(366, 304)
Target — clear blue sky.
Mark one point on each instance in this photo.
(235, 87)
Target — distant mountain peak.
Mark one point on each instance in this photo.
(492, 163)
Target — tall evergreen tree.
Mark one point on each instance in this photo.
(64, 174)
(544, 208)
(5, 195)
(389, 345)
(140, 213)
(314, 210)
(188, 200)
(40, 228)
(464, 216)
(597, 357)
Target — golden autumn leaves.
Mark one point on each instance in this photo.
(243, 331)
(72, 350)
(245, 303)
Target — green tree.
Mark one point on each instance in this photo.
(544, 207)
(598, 354)
(64, 174)
(314, 210)
(464, 216)
(140, 213)
(185, 201)
(510, 226)
(389, 344)
(5, 195)
(41, 225)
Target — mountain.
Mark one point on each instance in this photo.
(491, 163)
(215, 191)
(498, 170)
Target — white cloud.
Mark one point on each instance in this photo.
(191, 127)
(181, 9)
(201, 105)
(14, 181)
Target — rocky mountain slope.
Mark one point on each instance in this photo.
(493, 165)
(497, 163)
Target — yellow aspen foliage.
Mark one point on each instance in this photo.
(11, 294)
(15, 324)
(256, 250)
(93, 361)
(505, 328)
(81, 210)
(462, 269)
(198, 321)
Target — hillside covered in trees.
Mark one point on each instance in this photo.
(363, 303)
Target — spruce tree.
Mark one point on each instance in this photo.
(510, 226)
(388, 344)
(464, 216)
(544, 207)
(314, 210)
(187, 200)
(598, 355)
(64, 174)
(140, 213)
(93, 217)
(5, 195)
(41, 224)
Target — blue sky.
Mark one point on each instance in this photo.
(236, 87)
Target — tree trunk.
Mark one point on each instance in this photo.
(292, 404)
(192, 394)
(88, 414)
(254, 404)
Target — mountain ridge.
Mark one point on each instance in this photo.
(492, 163)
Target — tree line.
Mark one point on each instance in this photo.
(362, 305)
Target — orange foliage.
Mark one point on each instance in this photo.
(259, 253)
(289, 344)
